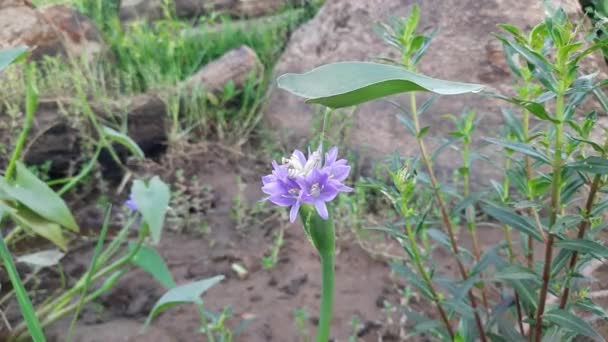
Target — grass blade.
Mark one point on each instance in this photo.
(25, 305)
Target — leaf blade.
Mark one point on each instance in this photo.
(347, 84)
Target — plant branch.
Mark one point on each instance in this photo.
(444, 212)
(555, 209)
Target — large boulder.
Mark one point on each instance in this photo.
(463, 50)
(55, 30)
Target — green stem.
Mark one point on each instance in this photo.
(555, 209)
(509, 241)
(322, 234)
(427, 278)
(444, 213)
(30, 109)
(470, 216)
(327, 297)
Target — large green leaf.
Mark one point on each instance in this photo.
(33, 193)
(188, 293)
(152, 201)
(150, 261)
(569, 321)
(347, 84)
(10, 55)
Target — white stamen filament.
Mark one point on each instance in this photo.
(315, 190)
(295, 167)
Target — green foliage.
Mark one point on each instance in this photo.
(347, 84)
(188, 293)
(549, 157)
(152, 201)
(150, 261)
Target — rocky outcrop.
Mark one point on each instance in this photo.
(463, 50)
(55, 30)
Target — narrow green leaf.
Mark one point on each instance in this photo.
(587, 305)
(8, 56)
(188, 293)
(25, 305)
(512, 219)
(152, 201)
(594, 165)
(124, 140)
(347, 84)
(516, 272)
(526, 293)
(150, 261)
(39, 197)
(413, 279)
(574, 323)
(584, 246)
(521, 148)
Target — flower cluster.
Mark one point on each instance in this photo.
(299, 180)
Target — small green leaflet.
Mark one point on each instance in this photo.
(8, 56)
(150, 261)
(188, 293)
(152, 201)
(346, 84)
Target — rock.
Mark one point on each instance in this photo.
(54, 31)
(235, 66)
(155, 9)
(120, 330)
(15, 3)
(23, 25)
(463, 50)
(79, 35)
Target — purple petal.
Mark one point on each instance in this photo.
(321, 209)
(130, 203)
(293, 213)
(274, 188)
(340, 172)
(282, 201)
(300, 156)
(330, 156)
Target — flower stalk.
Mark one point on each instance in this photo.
(321, 233)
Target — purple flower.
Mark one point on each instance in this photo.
(130, 203)
(301, 180)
